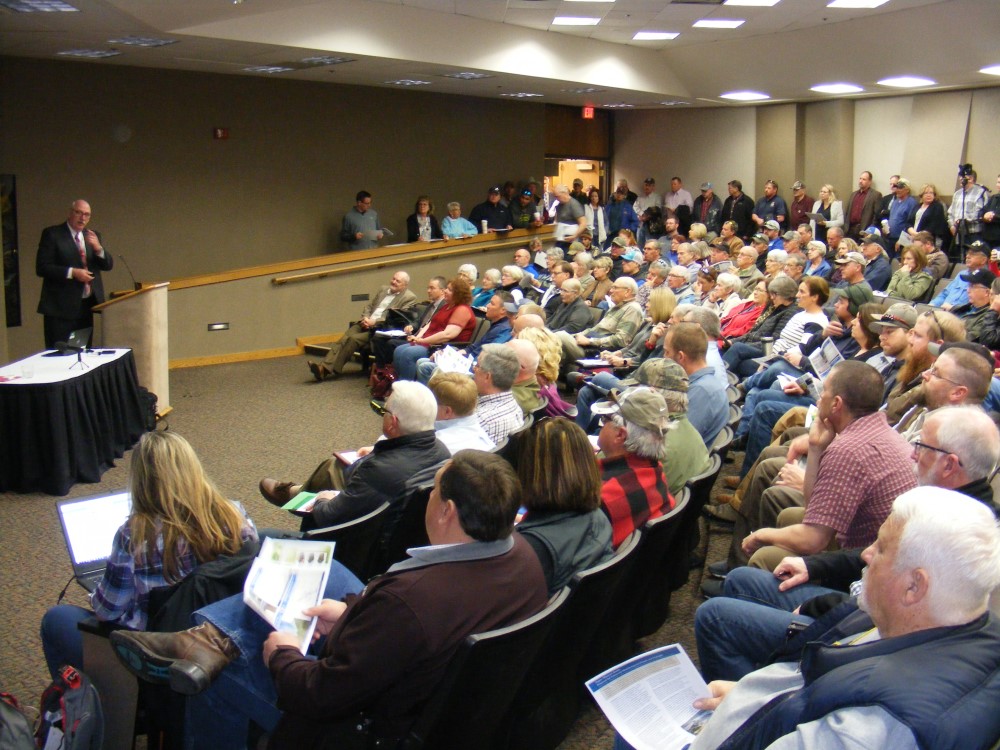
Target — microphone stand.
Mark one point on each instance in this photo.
(79, 358)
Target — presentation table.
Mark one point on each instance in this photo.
(63, 423)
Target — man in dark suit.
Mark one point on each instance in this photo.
(863, 206)
(70, 260)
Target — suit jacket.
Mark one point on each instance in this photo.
(871, 206)
(62, 297)
(404, 300)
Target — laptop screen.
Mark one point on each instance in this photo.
(90, 524)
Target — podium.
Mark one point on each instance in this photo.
(138, 321)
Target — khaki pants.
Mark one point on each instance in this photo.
(768, 558)
(341, 352)
(329, 475)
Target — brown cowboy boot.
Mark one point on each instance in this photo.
(188, 661)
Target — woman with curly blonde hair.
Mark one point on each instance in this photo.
(549, 353)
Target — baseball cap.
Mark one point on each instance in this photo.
(649, 181)
(706, 186)
(791, 234)
(902, 182)
(772, 225)
(899, 315)
(641, 406)
(760, 238)
(495, 189)
(978, 247)
(632, 255)
(620, 242)
(855, 294)
(661, 373)
(855, 256)
(872, 231)
(576, 247)
(510, 307)
(797, 185)
(937, 349)
(983, 277)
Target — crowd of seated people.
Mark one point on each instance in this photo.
(633, 344)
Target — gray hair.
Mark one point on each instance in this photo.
(629, 283)
(493, 274)
(572, 285)
(662, 270)
(729, 281)
(469, 270)
(655, 242)
(584, 260)
(969, 433)
(796, 260)
(501, 363)
(413, 405)
(555, 252)
(515, 272)
(778, 256)
(707, 319)
(681, 311)
(639, 440)
(453, 205)
(678, 271)
(955, 540)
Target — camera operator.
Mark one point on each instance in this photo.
(966, 208)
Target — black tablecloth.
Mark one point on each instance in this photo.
(54, 435)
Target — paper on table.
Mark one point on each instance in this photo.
(289, 576)
(648, 699)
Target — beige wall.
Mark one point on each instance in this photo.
(137, 144)
(923, 136)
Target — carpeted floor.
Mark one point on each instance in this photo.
(246, 421)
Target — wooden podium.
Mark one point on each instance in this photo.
(138, 321)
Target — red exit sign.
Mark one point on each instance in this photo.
(588, 113)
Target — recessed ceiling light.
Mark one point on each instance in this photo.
(654, 36)
(906, 82)
(620, 105)
(142, 41)
(92, 54)
(575, 21)
(744, 96)
(587, 90)
(836, 88)
(521, 95)
(672, 103)
(992, 70)
(407, 82)
(468, 75)
(719, 23)
(753, 3)
(38, 6)
(326, 60)
(267, 69)
(856, 4)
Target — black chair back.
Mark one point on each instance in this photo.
(546, 706)
(479, 685)
(687, 534)
(356, 541)
(722, 442)
(653, 609)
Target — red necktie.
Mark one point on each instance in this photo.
(83, 259)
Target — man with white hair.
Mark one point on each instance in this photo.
(633, 488)
(572, 315)
(395, 296)
(916, 663)
(615, 330)
(679, 281)
(737, 632)
(747, 271)
(409, 447)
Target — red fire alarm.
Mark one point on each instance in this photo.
(220, 134)
(588, 113)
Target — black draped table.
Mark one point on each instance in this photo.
(61, 424)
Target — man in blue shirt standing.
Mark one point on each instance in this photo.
(770, 206)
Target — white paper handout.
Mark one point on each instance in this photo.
(451, 359)
(648, 699)
(288, 576)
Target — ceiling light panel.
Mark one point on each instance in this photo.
(992, 70)
(38, 6)
(655, 36)
(856, 4)
(906, 82)
(575, 21)
(744, 96)
(836, 88)
(719, 23)
(753, 3)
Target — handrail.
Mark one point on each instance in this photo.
(354, 260)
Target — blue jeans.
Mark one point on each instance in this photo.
(766, 414)
(61, 640)
(218, 718)
(404, 359)
(425, 370)
(762, 386)
(739, 358)
(590, 394)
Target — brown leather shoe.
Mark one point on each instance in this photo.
(188, 661)
(731, 482)
(275, 492)
(314, 368)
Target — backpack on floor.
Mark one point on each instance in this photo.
(71, 716)
(15, 729)
(380, 381)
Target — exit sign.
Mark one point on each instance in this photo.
(588, 113)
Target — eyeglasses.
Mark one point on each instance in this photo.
(932, 314)
(923, 446)
(379, 408)
(935, 373)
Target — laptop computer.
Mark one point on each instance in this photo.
(77, 340)
(89, 525)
